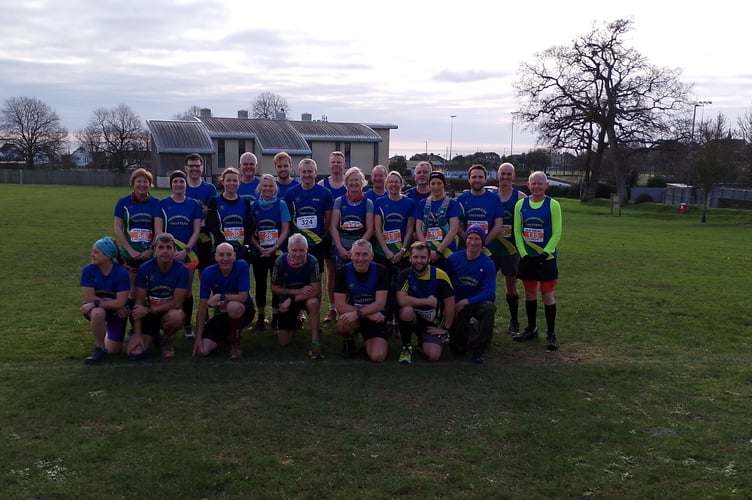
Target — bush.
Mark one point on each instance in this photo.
(643, 198)
(656, 181)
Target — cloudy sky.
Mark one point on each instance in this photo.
(408, 63)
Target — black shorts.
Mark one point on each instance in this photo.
(532, 269)
(289, 320)
(371, 329)
(320, 252)
(151, 324)
(204, 251)
(507, 264)
(217, 327)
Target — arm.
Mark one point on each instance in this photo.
(519, 240)
(419, 234)
(120, 236)
(369, 221)
(334, 231)
(553, 242)
(448, 312)
(495, 231)
(379, 233)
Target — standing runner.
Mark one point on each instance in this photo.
(537, 227)
(335, 183)
(504, 249)
(182, 219)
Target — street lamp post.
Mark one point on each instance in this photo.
(694, 116)
(511, 141)
(426, 149)
(451, 132)
(696, 105)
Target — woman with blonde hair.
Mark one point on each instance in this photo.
(352, 217)
(271, 221)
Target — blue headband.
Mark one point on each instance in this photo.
(107, 246)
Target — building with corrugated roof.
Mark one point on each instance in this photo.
(221, 141)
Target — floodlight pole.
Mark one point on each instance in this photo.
(451, 133)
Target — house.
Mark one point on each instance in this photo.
(221, 141)
(81, 157)
(10, 152)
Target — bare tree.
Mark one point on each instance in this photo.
(189, 113)
(718, 158)
(599, 95)
(33, 127)
(117, 135)
(268, 104)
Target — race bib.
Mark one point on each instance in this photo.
(506, 231)
(158, 301)
(392, 237)
(434, 234)
(426, 315)
(307, 222)
(234, 233)
(268, 237)
(483, 223)
(533, 235)
(352, 225)
(140, 235)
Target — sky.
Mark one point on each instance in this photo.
(413, 64)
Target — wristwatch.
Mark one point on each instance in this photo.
(95, 302)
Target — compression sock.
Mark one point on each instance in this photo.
(188, 309)
(406, 332)
(550, 317)
(514, 302)
(531, 307)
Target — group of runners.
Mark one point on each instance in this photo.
(394, 264)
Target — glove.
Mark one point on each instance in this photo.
(543, 257)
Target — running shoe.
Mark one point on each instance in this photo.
(514, 328)
(348, 349)
(331, 316)
(236, 351)
(189, 332)
(528, 334)
(315, 351)
(168, 351)
(97, 356)
(260, 324)
(551, 344)
(406, 356)
(478, 358)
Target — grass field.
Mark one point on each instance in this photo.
(649, 397)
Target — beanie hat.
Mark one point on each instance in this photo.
(107, 246)
(437, 175)
(476, 229)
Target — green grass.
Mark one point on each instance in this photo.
(649, 396)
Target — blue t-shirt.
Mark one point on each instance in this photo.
(417, 197)
(160, 287)
(106, 287)
(483, 209)
(268, 221)
(474, 280)
(138, 221)
(179, 217)
(249, 189)
(201, 193)
(307, 210)
(283, 188)
(371, 195)
(394, 215)
(238, 281)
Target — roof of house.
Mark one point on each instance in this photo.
(271, 136)
(178, 136)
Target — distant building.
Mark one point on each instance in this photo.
(221, 141)
(81, 157)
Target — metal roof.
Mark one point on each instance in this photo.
(178, 136)
(271, 136)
